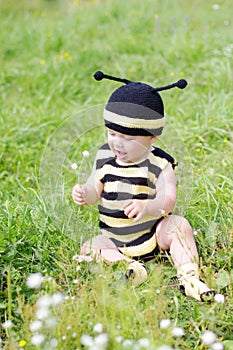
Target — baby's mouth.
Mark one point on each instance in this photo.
(120, 154)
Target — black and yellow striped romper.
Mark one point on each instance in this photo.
(122, 182)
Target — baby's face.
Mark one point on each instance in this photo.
(129, 149)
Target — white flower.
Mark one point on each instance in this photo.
(7, 324)
(42, 313)
(215, 7)
(75, 281)
(86, 154)
(78, 268)
(177, 332)
(35, 280)
(86, 340)
(63, 337)
(164, 347)
(73, 335)
(144, 342)
(82, 258)
(37, 339)
(53, 343)
(217, 346)
(208, 337)
(101, 340)
(219, 298)
(44, 302)
(98, 328)
(118, 338)
(74, 166)
(35, 326)
(164, 323)
(127, 343)
(57, 298)
(51, 322)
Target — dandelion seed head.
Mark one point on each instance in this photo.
(217, 346)
(177, 332)
(53, 343)
(101, 339)
(219, 298)
(44, 302)
(86, 340)
(74, 166)
(86, 154)
(51, 322)
(34, 281)
(35, 325)
(7, 324)
(58, 298)
(165, 323)
(208, 337)
(144, 342)
(42, 313)
(98, 328)
(37, 339)
(119, 338)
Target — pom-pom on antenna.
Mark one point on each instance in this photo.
(99, 75)
(181, 84)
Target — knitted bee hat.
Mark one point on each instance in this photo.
(136, 108)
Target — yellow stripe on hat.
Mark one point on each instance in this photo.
(129, 122)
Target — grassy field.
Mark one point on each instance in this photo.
(51, 112)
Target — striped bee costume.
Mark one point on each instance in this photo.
(122, 182)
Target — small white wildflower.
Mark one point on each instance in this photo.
(44, 302)
(42, 313)
(217, 346)
(98, 328)
(82, 258)
(67, 297)
(68, 327)
(119, 338)
(164, 324)
(35, 325)
(7, 324)
(215, 7)
(86, 340)
(34, 281)
(86, 154)
(219, 298)
(51, 322)
(75, 281)
(73, 297)
(127, 343)
(37, 339)
(63, 337)
(164, 347)
(208, 337)
(74, 166)
(53, 343)
(144, 342)
(195, 233)
(157, 291)
(73, 335)
(177, 332)
(78, 268)
(101, 340)
(57, 298)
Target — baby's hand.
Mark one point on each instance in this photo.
(136, 209)
(79, 194)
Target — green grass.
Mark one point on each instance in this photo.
(51, 112)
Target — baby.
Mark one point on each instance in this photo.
(135, 185)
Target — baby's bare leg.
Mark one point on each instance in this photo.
(102, 247)
(175, 233)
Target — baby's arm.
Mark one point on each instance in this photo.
(164, 201)
(88, 193)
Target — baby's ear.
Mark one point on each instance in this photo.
(153, 139)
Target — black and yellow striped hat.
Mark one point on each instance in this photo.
(136, 108)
